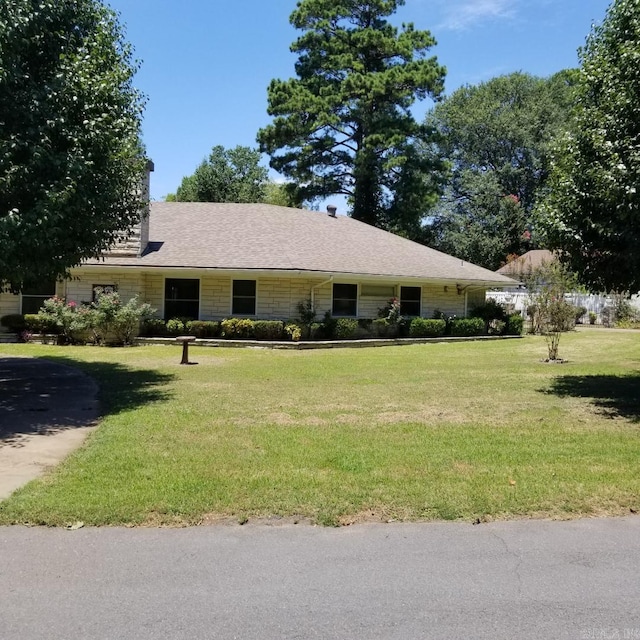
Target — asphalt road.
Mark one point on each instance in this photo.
(515, 580)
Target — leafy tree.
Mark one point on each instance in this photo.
(552, 315)
(234, 175)
(593, 208)
(497, 137)
(228, 175)
(71, 159)
(343, 125)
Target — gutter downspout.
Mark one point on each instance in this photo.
(313, 291)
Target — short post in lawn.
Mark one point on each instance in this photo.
(185, 348)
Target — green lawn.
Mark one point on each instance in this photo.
(437, 431)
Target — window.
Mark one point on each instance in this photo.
(102, 288)
(33, 297)
(410, 299)
(244, 298)
(181, 298)
(345, 300)
(377, 291)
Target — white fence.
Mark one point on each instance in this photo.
(519, 301)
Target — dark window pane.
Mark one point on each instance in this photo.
(345, 300)
(182, 289)
(410, 298)
(244, 288)
(33, 297)
(244, 306)
(181, 309)
(32, 304)
(244, 298)
(182, 298)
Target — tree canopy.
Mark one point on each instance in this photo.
(344, 125)
(497, 137)
(71, 159)
(227, 175)
(593, 207)
(233, 175)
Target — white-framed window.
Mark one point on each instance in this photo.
(181, 298)
(345, 300)
(243, 299)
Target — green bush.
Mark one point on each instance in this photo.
(329, 326)
(237, 328)
(153, 327)
(317, 331)
(346, 328)
(204, 328)
(467, 326)
(382, 328)
(490, 310)
(14, 322)
(177, 327)
(427, 328)
(515, 325)
(268, 329)
(293, 330)
(580, 312)
(115, 322)
(593, 316)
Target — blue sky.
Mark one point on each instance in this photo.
(206, 64)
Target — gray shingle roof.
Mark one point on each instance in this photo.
(267, 237)
(527, 262)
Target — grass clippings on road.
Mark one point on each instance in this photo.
(423, 432)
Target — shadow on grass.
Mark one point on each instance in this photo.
(616, 396)
(48, 395)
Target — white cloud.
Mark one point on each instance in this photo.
(464, 14)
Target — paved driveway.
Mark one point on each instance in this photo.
(46, 410)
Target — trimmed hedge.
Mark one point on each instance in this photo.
(268, 329)
(426, 328)
(204, 328)
(14, 322)
(467, 327)
(346, 328)
(238, 328)
(515, 325)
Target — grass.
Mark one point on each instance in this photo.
(437, 431)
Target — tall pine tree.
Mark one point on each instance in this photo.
(344, 125)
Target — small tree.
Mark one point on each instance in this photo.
(547, 286)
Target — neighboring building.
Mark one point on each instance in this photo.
(527, 263)
(210, 261)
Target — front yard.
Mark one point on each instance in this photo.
(437, 431)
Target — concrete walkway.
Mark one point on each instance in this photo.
(46, 411)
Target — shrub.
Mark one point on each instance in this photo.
(153, 327)
(467, 326)
(294, 331)
(237, 328)
(515, 325)
(427, 328)
(115, 322)
(14, 322)
(490, 310)
(317, 331)
(346, 328)
(496, 328)
(592, 317)
(329, 326)
(176, 327)
(268, 329)
(382, 328)
(579, 313)
(72, 323)
(204, 328)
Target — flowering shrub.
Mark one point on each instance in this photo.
(70, 323)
